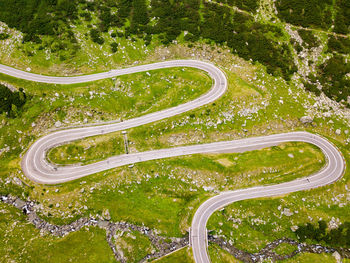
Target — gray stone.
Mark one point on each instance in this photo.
(58, 124)
(19, 203)
(337, 257)
(106, 214)
(294, 228)
(287, 212)
(102, 223)
(338, 132)
(306, 119)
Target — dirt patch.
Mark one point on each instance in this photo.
(225, 162)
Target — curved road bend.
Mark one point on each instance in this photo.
(330, 173)
(36, 167)
(34, 163)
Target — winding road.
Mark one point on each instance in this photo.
(37, 168)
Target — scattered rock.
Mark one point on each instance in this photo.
(102, 223)
(306, 119)
(19, 203)
(208, 188)
(337, 257)
(268, 254)
(294, 228)
(334, 223)
(58, 124)
(164, 245)
(338, 132)
(287, 212)
(106, 214)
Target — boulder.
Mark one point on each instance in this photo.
(106, 215)
(19, 203)
(287, 212)
(58, 124)
(337, 257)
(306, 119)
(102, 224)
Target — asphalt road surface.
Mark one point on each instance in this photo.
(36, 167)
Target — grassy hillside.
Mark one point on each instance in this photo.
(164, 194)
(64, 33)
(272, 56)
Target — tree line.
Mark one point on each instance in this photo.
(11, 102)
(214, 22)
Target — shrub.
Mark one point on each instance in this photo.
(114, 47)
(96, 36)
(4, 36)
(11, 102)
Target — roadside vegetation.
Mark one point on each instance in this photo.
(164, 194)
(11, 102)
(293, 216)
(88, 150)
(83, 36)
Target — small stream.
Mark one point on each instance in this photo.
(161, 244)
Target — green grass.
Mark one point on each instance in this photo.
(160, 203)
(285, 249)
(21, 242)
(89, 150)
(96, 102)
(311, 258)
(251, 231)
(158, 193)
(128, 96)
(183, 255)
(218, 255)
(90, 58)
(165, 193)
(134, 245)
